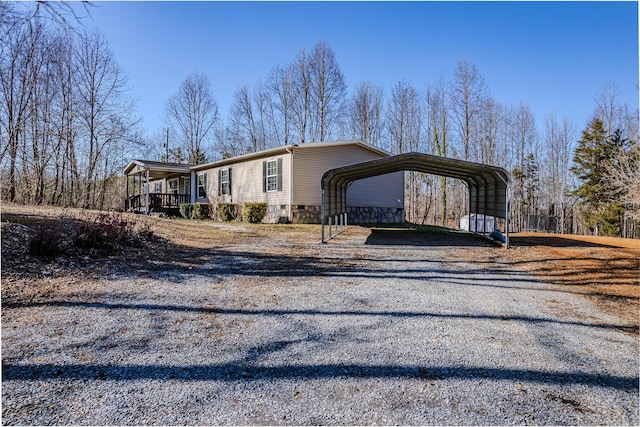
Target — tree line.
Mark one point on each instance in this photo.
(68, 128)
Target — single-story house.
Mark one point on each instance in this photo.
(287, 178)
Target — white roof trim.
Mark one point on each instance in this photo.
(284, 149)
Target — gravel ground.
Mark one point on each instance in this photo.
(342, 333)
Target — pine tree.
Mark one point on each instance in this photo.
(595, 150)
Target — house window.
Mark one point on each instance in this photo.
(157, 187)
(173, 186)
(202, 183)
(224, 176)
(272, 175)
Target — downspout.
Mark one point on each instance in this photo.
(192, 191)
(290, 151)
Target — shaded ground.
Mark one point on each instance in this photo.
(208, 323)
(606, 270)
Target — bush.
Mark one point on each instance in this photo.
(227, 211)
(254, 212)
(186, 210)
(106, 231)
(46, 241)
(201, 211)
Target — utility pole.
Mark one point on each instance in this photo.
(166, 146)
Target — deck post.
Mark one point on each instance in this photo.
(146, 190)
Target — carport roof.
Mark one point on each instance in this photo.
(487, 184)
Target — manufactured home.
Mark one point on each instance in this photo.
(287, 178)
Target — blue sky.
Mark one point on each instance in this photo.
(554, 56)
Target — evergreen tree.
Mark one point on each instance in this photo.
(595, 150)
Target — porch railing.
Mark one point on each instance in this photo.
(158, 202)
(132, 203)
(167, 200)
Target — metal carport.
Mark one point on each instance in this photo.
(488, 185)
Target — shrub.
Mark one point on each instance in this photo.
(103, 231)
(201, 211)
(186, 210)
(106, 231)
(227, 211)
(46, 240)
(254, 212)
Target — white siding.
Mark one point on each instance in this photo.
(311, 163)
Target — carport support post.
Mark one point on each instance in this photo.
(506, 221)
(322, 215)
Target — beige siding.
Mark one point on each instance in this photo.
(310, 163)
(246, 183)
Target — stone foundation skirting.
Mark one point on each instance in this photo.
(276, 214)
(306, 214)
(369, 215)
(310, 214)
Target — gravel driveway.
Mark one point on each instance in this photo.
(342, 333)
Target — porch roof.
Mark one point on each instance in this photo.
(157, 170)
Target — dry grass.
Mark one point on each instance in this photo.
(605, 269)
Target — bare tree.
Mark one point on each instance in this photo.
(487, 130)
(192, 113)
(105, 111)
(404, 124)
(438, 130)
(61, 13)
(20, 67)
(524, 164)
(243, 120)
(66, 176)
(327, 90)
(301, 105)
(558, 141)
(623, 176)
(404, 118)
(467, 93)
(281, 85)
(365, 113)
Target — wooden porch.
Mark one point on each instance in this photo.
(172, 178)
(157, 203)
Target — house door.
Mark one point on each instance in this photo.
(187, 186)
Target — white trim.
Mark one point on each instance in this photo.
(286, 149)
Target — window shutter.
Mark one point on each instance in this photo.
(264, 177)
(229, 181)
(279, 174)
(219, 182)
